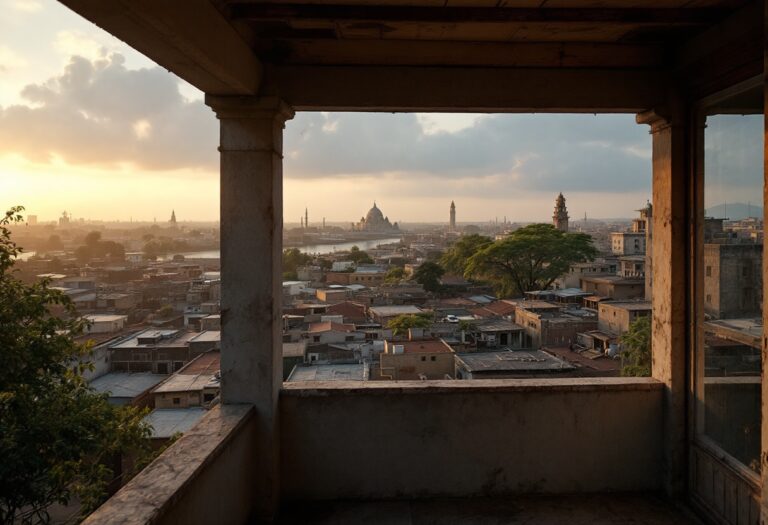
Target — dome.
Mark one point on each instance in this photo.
(374, 215)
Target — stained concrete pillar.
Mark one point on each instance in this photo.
(670, 253)
(251, 133)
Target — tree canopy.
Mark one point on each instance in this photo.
(636, 357)
(358, 256)
(428, 274)
(530, 258)
(292, 259)
(394, 275)
(401, 323)
(57, 436)
(456, 258)
(95, 248)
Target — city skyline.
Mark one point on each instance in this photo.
(79, 109)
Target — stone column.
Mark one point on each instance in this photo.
(671, 250)
(251, 133)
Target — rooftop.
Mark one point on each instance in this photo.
(513, 361)
(330, 326)
(336, 372)
(126, 385)
(391, 311)
(427, 346)
(166, 422)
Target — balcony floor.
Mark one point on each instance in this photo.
(599, 509)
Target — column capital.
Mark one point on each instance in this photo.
(657, 118)
(249, 107)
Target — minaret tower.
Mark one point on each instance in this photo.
(453, 217)
(173, 219)
(306, 217)
(560, 217)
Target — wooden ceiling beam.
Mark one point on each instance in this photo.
(480, 54)
(195, 42)
(468, 89)
(264, 12)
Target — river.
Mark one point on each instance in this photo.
(316, 249)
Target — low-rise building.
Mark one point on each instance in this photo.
(331, 332)
(105, 324)
(552, 327)
(384, 314)
(614, 286)
(196, 384)
(409, 360)
(616, 317)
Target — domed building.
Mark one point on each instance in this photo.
(375, 221)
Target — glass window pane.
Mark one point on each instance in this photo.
(728, 369)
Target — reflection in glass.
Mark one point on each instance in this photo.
(728, 372)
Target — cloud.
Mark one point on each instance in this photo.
(25, 6)
(9, 59)
(524, 152)
(98, 112)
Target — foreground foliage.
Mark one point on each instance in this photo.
(636, 357)
(58, 438)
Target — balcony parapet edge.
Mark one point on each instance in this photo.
(153, 492)
(479, 386)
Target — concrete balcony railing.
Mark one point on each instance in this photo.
(394, 440)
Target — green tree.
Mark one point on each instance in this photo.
(57, 436)
(530, 258)
(358, 256)
(394, 275)
(401, 323)
(95, 248)
(456, 258)
(636, 357)
(428, 274)
(292, 259)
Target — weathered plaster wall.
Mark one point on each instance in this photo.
(411, 439)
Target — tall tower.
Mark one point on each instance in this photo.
(172, 222)
(306, 217)
(453, 217)
(560, 217)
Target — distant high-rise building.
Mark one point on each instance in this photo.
(172, 222)
(32, 220)
(306, 217)
(453, 217)
(560, 217)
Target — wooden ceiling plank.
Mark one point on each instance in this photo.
(382, 13)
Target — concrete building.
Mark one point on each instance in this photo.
(552, 326)
(628, 243)
(331, 332)
(268, 448)
(452, 220)
(598, 267)
(105, 324)
(733, 280)
(196, 384)
(614, 286)
(152, 350)
(414, 360)
(616, 317)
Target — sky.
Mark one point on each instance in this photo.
(91, 126)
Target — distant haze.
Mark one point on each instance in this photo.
(735, 211)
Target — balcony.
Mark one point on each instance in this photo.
(400, 449)
(584, 451)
